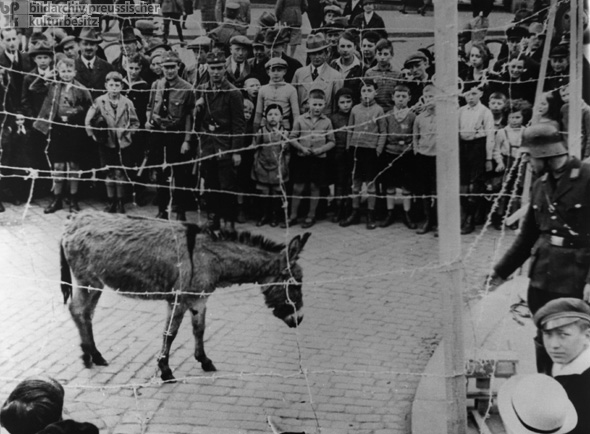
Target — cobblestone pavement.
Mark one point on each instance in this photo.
(372, 319)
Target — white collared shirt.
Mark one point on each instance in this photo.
(89, 63)
(12, 56)
(575, 367)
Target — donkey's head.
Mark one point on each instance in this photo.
(282, 291)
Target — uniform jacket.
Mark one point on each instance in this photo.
(93, 79)
(328, 79)
(124, 118)
(560, 211)
(220, 120)
(181, 102)
(224, 32)
(82, 101)
(244, 14)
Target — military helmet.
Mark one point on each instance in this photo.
(543, 141)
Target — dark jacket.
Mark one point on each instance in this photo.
(376, 24)
(562, 210)
(220, 120)
(32, 96)
(81, 103)
(181, 102)
(292, 66)
(15, 77)
(70, 427)
(93, 79)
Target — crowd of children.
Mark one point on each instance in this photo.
(348, 125)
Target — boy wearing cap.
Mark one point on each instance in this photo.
(565, 327)
(558, 68)
(416, 68)
(277, 92)
(221, 126)
(556, 228)
(318, 74)
(69, 46)
(172, 101)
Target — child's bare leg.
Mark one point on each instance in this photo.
(313, 202)
(59, 174)
(297, 192)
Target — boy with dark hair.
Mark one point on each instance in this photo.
(497, 105)
(384, 75)
(365, 140)
(398, 158)
(312, 137)
(339, 161)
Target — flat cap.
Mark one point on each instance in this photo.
(170, 58)
(200, 41)
(560, 50)
(215, 58)
(241, 40)
(276, 61)
(415, 57)
(561, 312)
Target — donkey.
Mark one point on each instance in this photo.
(172, 261)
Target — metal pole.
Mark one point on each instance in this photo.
(449, 210)
(575, 82)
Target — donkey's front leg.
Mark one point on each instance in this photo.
(176, 312)
(198, 311)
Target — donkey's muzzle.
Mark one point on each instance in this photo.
(294, 320)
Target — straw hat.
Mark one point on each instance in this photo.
(536, 403)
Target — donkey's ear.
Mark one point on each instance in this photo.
(296, 246)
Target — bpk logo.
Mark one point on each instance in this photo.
(9, 7)
(14, 13)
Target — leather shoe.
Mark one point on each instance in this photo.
(162, 215)
(309, 222)
(54, 206)
(290, 222)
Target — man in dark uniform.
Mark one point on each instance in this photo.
(170, 116)
(555, 232)
(221, 126)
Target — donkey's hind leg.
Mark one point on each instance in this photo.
(198, 311)
(82, 307)
(176, 312)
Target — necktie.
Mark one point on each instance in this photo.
(237, 70)
(314, 73)
(89, 65)
(21, 129)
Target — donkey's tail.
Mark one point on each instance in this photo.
(66, 275)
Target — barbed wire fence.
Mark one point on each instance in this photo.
(137, 389)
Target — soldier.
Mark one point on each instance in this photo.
(221, 124)
(556, 229)
(229, 28)
(170, 117)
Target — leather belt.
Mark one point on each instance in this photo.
(571, 242)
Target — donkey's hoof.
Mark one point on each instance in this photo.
(87, 359)
(99, 360)
(167, 377)
(208, 366)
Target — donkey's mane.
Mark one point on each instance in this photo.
(249, 239)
